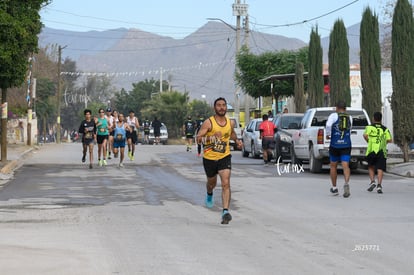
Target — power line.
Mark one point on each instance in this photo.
(307, 20)
(120, 21)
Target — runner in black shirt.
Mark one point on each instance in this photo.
(88, 130)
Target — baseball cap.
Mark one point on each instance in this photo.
(108, 109)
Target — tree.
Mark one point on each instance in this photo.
(402, 69)
(370, 62)
(45, 104)
(170, 108)
(199, 108)
(19, 28)
(339, 64)
(315, 77)
(136, 99)
(253, 68)
(300, 103)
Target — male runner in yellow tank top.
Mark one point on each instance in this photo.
(215, 133)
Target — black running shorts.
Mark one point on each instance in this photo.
(212, 167)
(132, 136)
(268, 143)
(377, 160)
(100, 138)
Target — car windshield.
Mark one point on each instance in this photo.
(359, 120)
(289, 121)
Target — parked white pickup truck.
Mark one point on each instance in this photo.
(309, 143)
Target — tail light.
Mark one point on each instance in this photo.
(320, 136)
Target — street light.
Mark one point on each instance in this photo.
(236, 92)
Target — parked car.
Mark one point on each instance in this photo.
(252, 144)
(287, 124)
(163, 136)
(237, 130)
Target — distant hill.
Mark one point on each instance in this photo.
(201, 64)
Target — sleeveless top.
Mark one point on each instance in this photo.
(131, 122)
(119, 132)
(102, 127)
(217, 149)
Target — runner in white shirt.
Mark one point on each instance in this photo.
(132, 137)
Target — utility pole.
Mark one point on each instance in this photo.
(239, 10)
(237, 88)
(247, 98)
(59, 93)
(160, 80)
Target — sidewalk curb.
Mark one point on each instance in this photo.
(12, 165)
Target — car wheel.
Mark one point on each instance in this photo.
(244, 153)
(353, 165)
(276, 153)
(294, 159)
(254, 152)
(315, 165)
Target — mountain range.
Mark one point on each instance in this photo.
(202, 64)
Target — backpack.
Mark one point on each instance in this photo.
(344, 123)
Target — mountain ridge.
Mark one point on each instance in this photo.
(202, 63)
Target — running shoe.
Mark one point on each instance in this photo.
(198, 155)
(121, 164)
(209, 201)
(346, 190)
(90, 166)
(225, 217)
(379, 189)
(371, 186)
(109, 155)
(129, 154)
(104, 162)
(100, 162)
(132, 157)
(334, 191)
(83, 158)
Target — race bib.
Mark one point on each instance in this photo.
(102, 130)
(219, 147)
(119, 137)
(88, 135)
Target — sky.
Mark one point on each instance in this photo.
(179, 18)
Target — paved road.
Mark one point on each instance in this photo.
(59, 217)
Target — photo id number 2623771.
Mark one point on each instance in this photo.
(366, 247)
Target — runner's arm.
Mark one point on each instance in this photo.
(205, 127)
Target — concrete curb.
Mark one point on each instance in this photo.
(12, 165)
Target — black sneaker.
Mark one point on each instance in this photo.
(225, 217)
(372, 186)
(379, 189)
(90, 166)
(83, 158)
(334, 191)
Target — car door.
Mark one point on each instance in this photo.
(248, 136)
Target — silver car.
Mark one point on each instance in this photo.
(163, 136)
(252, 144)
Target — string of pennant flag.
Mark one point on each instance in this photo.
(147, 72)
